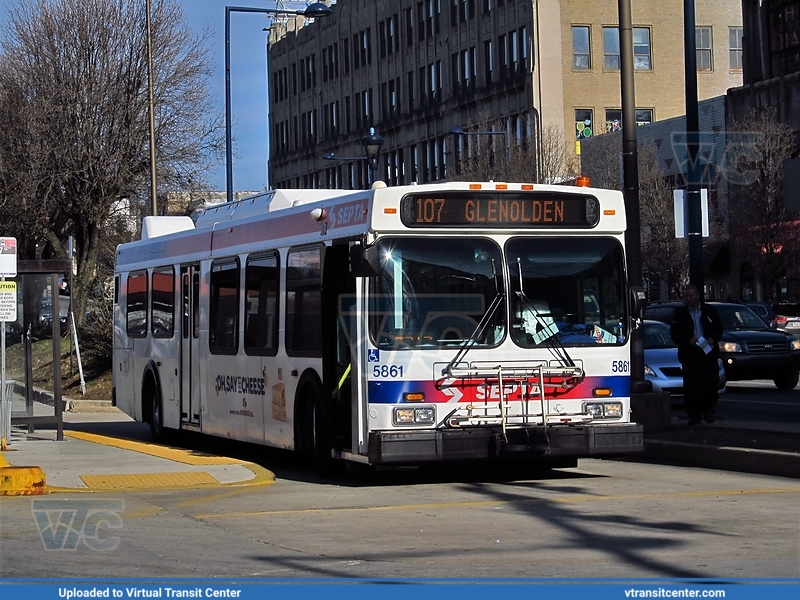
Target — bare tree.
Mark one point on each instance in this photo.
(663, 254)
(74, 113)
(600, 161)
(763, 233)
(544, 160)
(532, 158)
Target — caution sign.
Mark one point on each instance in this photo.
(8, 256)
(8, 300)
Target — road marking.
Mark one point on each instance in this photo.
(571, 499)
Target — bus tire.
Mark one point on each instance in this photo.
(315, 440)
(157, 430)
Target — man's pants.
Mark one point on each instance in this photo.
(700, 382)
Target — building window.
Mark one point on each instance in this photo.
(488, 61)
(644, 116)
(703, 44)
(735, 36)
(641, 48)
(613, 120)
(581, 57)
(611, 48)
(583, 123)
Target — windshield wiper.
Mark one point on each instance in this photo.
(485, 320)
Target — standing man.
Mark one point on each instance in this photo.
(697, 328)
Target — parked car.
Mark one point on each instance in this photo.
(661, 364)
(788, 317)
(749, 348)
(766, 310)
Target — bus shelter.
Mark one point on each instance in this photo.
(39, 307)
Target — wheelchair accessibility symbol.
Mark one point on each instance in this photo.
(374, 356)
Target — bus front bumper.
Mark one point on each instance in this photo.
(416, 446)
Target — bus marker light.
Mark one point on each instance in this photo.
(414, 397)
(527, 186)
(582, 181)
(601, 392)
(610, 212)
(390, 211)
(501, 186)
(474, 186)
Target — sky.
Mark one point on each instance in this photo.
(248, 82)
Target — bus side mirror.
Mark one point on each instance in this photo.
(364, 261)
(638, 302)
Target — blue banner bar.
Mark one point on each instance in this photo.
(399, 589)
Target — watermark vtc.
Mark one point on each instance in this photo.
(63, 524)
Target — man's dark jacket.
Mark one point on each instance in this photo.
(682, 331)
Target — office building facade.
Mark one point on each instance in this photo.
(415, 69)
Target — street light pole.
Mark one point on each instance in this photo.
(312, 11)
(694, 211)
(460, 131)
(372, 143)
(151, 110)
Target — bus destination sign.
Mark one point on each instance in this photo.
(500, 210)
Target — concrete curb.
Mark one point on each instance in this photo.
(745, 460)
(21, 481)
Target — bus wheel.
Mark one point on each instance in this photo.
(317, 443)
(157, 416)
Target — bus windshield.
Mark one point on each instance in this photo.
(568, 291)
(433, 292)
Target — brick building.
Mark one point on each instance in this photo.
(415, 69)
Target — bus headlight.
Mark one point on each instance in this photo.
(414, 416)
(603, 410)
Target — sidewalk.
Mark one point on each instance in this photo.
(107, 450)
(113, 452)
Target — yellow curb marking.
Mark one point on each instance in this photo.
(478, 503)
(187, 457)
(162, 481)
(22, 481)
(147, 480)
(3, 461)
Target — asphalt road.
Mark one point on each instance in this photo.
(762, 405)
(605, 519)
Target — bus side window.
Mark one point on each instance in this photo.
(224, 323)
(303, 302)
(261, 305)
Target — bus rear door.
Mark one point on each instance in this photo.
(190, 344)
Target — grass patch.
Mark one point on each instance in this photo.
(98, 388)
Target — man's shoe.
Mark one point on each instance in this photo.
(708, 416)
(694, 422)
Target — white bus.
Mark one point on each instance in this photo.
(390, 326)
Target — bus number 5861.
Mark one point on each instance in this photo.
(387, 371)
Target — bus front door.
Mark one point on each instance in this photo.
(190, 344)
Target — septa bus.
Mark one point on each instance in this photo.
(389, 326)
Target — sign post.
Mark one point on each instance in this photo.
(8, 312)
